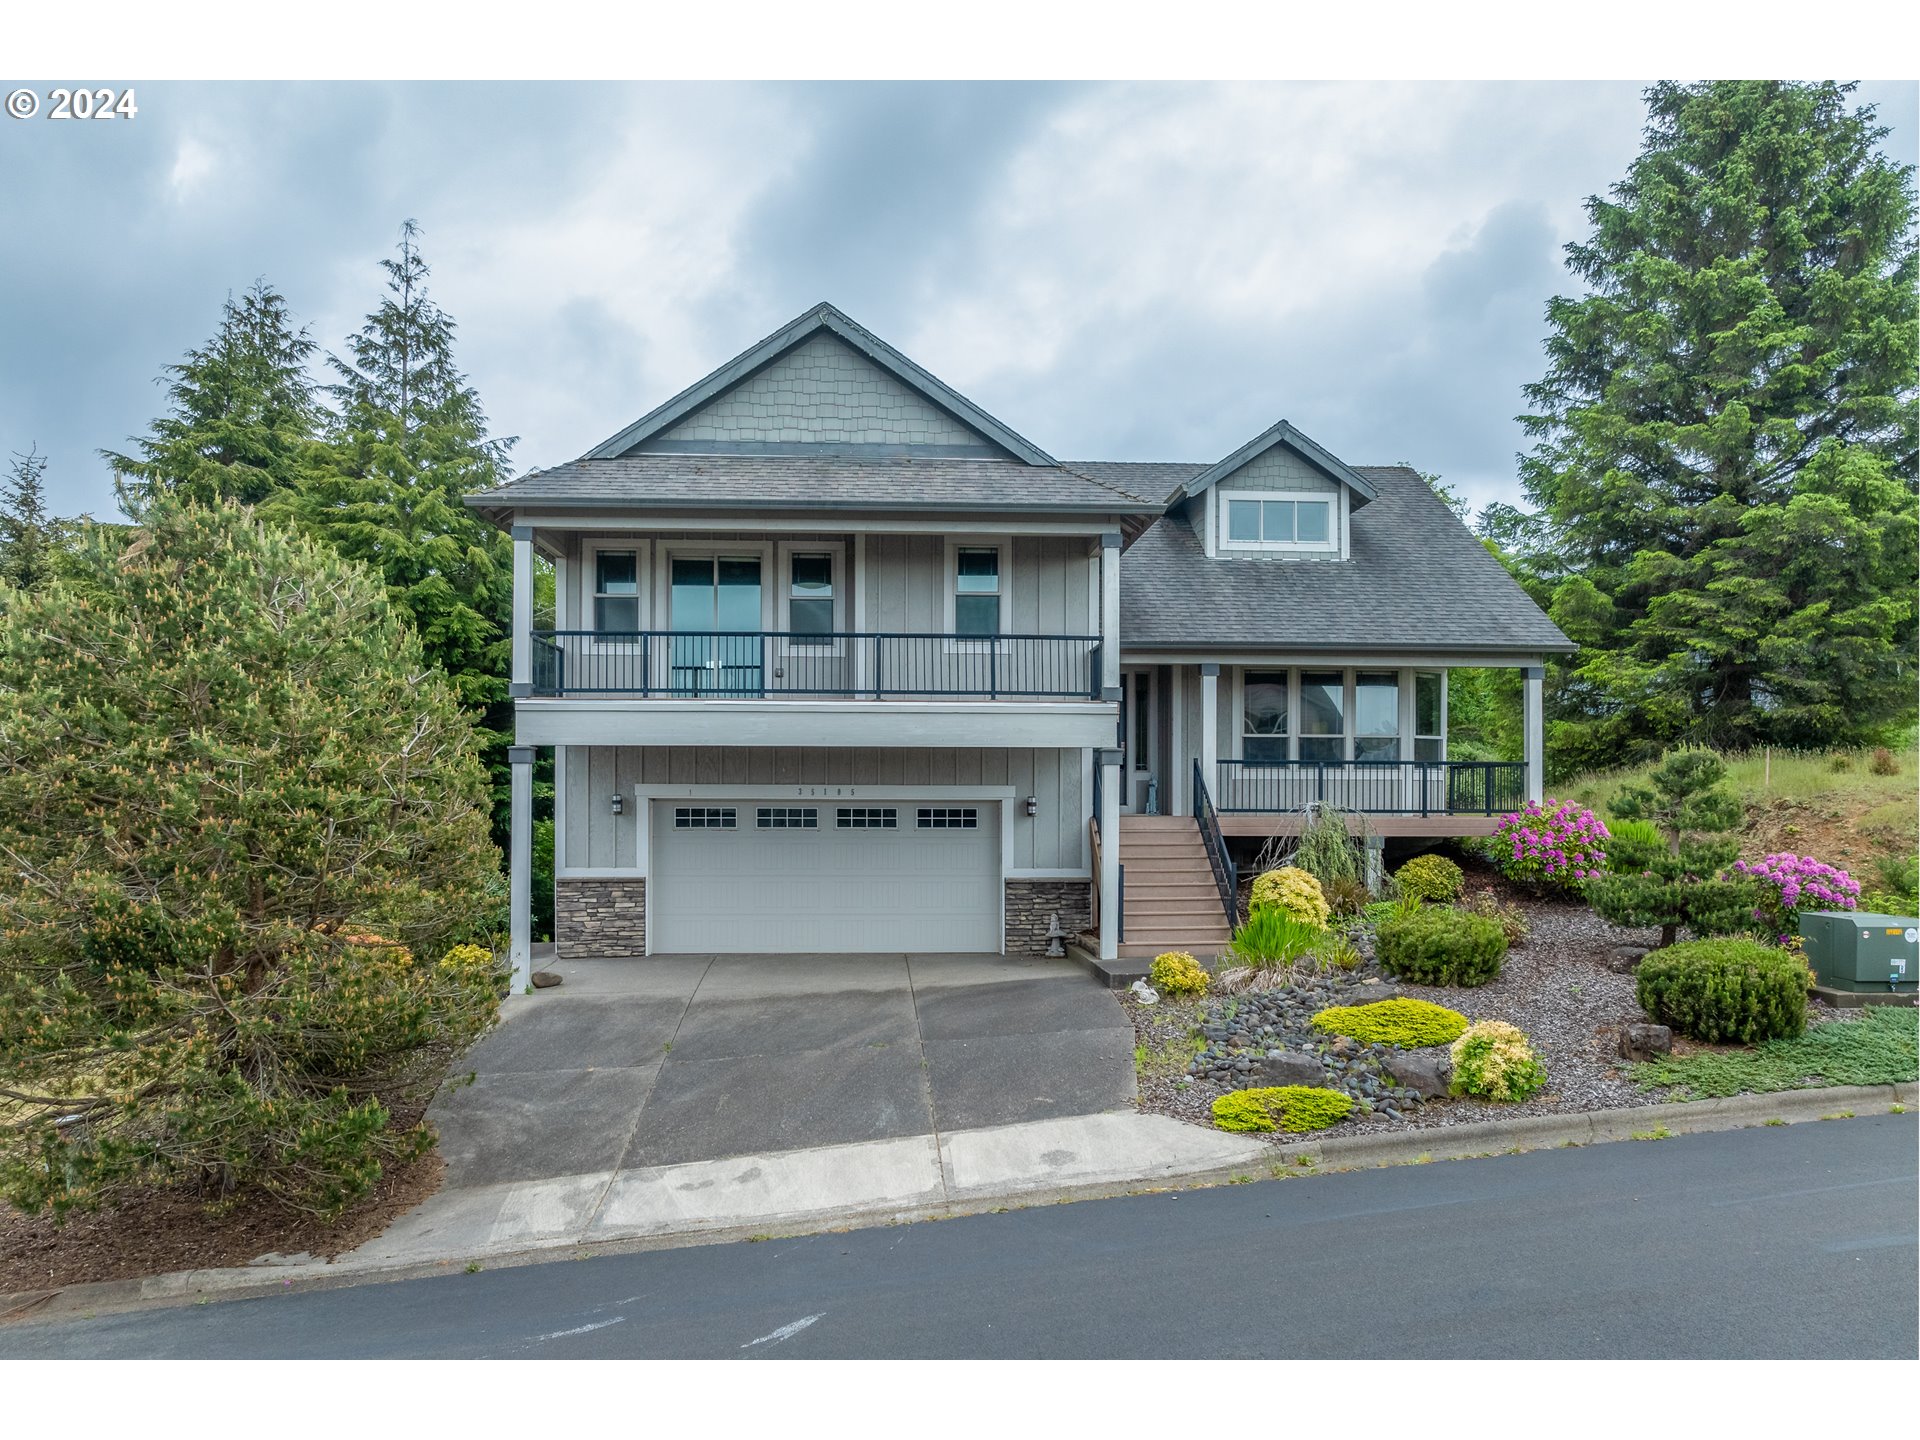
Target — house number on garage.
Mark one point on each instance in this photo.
(821, 792)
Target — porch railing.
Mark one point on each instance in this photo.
(753, 664)
(1225, 874)
(1372, 787)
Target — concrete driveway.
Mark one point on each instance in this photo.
(632, 1064)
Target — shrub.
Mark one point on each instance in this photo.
(1292, 891)
(1336, 952)
(1554, 846)
(1293, 1108)
(1346, 896)
(1840, 764)
(1430, 877)
(1896, 889)
(1438, 946)
(1511, 919)
(1273, 937)
(1410, 1024)
(1786, 883)
(1178, 973)
(1683, 883)
(249, 807)
(1883, 762)
(1494, 1062)
(1327, 850)
(1725, 990)
(1632, 845)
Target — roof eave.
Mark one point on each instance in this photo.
(1280, 432)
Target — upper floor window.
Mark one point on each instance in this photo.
(1263, 716)
(1429, 712)
(1376, 714)
(1263, 521)
(810, 598)
(1323, 715)
(976, 590)
(616, 590)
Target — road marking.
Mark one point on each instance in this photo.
(578, 1330)
(785, 1332)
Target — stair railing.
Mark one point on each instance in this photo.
(1225, 874)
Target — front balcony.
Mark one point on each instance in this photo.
(1398, 797)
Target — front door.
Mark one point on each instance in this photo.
(715, 614)
(1138, 695)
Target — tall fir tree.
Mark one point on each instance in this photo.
(242, 416)
(1726, 431)
(408, 442)
(29, 536)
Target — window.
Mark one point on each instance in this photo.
(787, 817)
(1263, 716)
(861, 817)
(934, 817)
(702, 817)
(1323, 715)
(1429, 736)
(976, 590)
(810, 599)
(1261, 521)
(1376, 715)
(616, 591)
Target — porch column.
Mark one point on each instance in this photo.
(1536, 732)
(1210, 730)
(520, 869)
(521, 680)
(1110, 616)
(1109, 763)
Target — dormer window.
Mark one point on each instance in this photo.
(1263, 520)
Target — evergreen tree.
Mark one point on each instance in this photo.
(242, 414)
(28, 535)
(1686, 797)
(1726, 431)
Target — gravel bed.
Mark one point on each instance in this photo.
(1556, 986)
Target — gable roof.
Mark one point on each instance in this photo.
(1418, 581)
(1281, 433)
(827, 318)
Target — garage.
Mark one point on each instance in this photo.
(780, 876)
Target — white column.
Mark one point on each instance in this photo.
(1109, 763)
(1210, 729)
(522, 676)
(520, 869)
(1536, 730)
(860, 649)
(1110, 615)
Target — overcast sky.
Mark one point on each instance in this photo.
(1126, 272)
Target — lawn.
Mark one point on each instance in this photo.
(1878, 1048)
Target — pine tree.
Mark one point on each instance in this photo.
(1726, 430)
(28, 535)
(1686, 797)
(242, 413)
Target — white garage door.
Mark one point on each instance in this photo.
(795, 878)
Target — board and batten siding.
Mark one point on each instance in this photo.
(597, 839)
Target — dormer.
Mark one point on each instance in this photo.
(1280, 496)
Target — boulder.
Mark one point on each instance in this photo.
(1290, 1067)
(545, 979)
(1645, 1042)
(1625, 959)
(1370, 992)
(1426, 1072)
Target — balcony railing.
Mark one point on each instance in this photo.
(757, 664)
(1372, 787)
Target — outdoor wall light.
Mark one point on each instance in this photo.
(1033, 804)
(619, 803)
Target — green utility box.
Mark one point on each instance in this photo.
(1854, 951)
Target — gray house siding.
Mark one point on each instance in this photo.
(1279, 469)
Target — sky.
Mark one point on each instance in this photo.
(1117, 271)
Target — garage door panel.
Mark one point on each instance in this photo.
(822, 889)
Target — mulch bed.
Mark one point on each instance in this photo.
(153, 1231)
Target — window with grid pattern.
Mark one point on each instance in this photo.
(940, 817)
(703, 817)
(787, 817)
(864, 817)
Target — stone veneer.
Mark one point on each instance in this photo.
(1030, 902)
(602, 917)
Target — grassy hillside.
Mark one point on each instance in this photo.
(1831, 805)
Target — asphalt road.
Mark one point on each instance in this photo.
(1773, 1242)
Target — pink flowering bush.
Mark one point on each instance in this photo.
(1789, 882)
(1556, 845)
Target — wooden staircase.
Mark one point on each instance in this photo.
(1172, 899)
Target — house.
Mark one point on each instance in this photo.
(840, 662)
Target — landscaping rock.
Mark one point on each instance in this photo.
(1625, 959)
(1645, 1042)
(1291, 1068)
(1425, 1072)
(545, 979)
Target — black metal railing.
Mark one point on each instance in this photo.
(752, 664)
(1372, 787)
(1225, 874)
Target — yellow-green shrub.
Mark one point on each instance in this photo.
(1293, 1108)
(1431, 877)
(1494, 1061)
(1410, 1024)
(1292, 891)
(1178, 973)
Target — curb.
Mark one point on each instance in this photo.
(1288, 1160)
